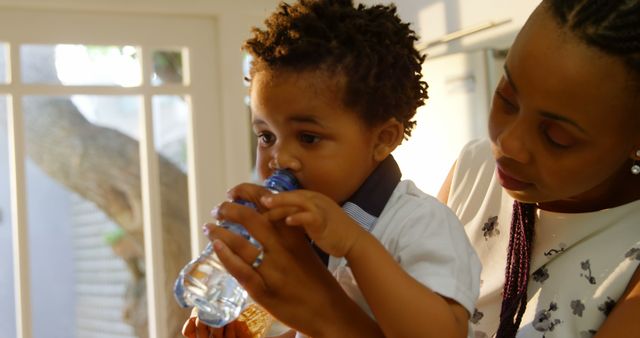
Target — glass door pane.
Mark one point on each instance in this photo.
(82, 179)
(7, 298)
(168, 67)
(80, 65)
(96, 86)
(4, 65)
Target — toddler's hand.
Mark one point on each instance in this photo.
(323, 219)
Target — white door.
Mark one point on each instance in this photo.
(79, 90)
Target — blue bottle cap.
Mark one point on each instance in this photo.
(282, 180)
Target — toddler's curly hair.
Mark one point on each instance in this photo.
(370, 46)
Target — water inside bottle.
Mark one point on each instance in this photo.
(204, 283)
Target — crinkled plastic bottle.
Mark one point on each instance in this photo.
(205, 283)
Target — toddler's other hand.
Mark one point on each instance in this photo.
(323, 219)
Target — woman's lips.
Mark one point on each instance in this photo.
(509, 182)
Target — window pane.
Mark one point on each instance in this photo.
(7, 301)
(4, 65)
(170, 117)
(83, 193)
(120, 113)
(80, 65)
(167, 68)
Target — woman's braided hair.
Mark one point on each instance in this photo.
(514, 293)
(370, 46)
(612, 26)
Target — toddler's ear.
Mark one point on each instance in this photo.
(388, 136)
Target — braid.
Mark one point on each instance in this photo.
(514, 297)
(613, 26)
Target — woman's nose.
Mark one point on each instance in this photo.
(513, 141)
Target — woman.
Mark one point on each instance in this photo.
(561, 196)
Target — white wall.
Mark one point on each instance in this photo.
(432, 19)
(461, 74)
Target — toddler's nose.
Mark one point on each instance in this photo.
(284, 161)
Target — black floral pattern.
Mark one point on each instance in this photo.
(477, 315)
(543, 320)
(578, 307)
(541, 274)
(633, 253)
(490, 228)
(607, 306)
(586, 266)
(556, 251)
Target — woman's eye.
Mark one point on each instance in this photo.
(503, 98)
(505, 94)
(556, 135)
(309, 138)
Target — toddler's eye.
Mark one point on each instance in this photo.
(309, 138)
(265, 138)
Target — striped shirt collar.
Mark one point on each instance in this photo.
(367, 203)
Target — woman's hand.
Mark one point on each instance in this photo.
(194, 328)
(291, 282)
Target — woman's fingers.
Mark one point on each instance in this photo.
(248, 192)
(256, 224)
(242, 329)
(238, 267)
(203, 330)
(240, 245)
(189, 328)
(259, 281)
(230, 330)
(194, 328)
(237, 329)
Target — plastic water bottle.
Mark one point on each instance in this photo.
(205, 283)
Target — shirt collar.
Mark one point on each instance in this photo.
(367, 203)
